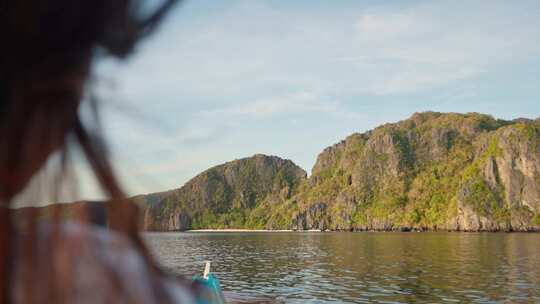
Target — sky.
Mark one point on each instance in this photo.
(223, 80)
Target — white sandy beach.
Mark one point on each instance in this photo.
(249, 230)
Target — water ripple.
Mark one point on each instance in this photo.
(362, 267)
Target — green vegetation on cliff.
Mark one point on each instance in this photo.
(229, 195)
(432, 171)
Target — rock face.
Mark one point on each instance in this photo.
(223, 196)
(433, 171)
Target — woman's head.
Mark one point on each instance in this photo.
(46, 62)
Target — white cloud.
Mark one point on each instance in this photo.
(435, 44)
(299, 102)
(379, 27)
(250, 50)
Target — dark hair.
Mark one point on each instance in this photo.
(48, 47)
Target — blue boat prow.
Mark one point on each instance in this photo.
(208, 288)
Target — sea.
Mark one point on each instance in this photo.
(359, 267)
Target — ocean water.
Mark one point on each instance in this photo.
(363, 267)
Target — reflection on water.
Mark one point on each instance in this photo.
(362, 267)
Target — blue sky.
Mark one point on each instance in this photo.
(223, 80)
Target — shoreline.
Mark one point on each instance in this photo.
(233, 230)
(248, 230)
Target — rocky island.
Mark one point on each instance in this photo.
(433, 171)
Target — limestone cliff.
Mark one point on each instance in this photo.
(432, 171)
(223, 196)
